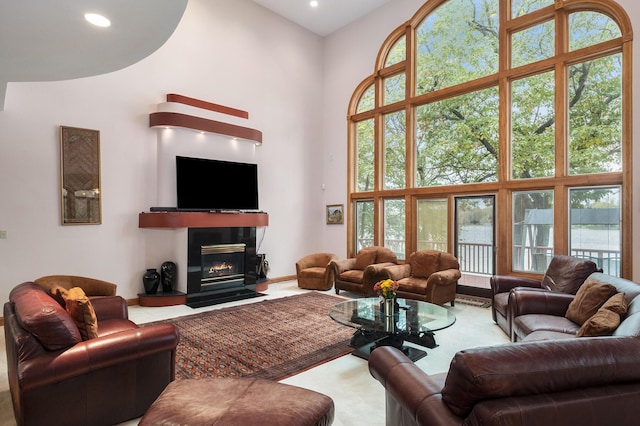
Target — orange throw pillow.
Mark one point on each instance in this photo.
(81, 310)
(59, 293)
(589, 298)
(607, 319)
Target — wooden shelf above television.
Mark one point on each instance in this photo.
(196, 122)
(201, 220)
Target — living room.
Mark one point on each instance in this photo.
(296, 87)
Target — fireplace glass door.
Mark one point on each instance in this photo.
(222, 264)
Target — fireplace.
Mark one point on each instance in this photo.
(221, 265)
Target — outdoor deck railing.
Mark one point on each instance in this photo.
(477, 258)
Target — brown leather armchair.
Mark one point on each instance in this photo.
(565, 274)
(359, 274)
(56, 378)
(590, 381)
(313, 271)
(430, 275)
(91, 286)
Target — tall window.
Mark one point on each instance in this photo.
(528, 104)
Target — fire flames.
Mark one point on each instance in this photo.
(221, 268)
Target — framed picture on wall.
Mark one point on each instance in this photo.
(335, 214)
(80, 176)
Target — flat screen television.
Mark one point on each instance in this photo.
(204, 184)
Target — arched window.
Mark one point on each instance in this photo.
(520, 116)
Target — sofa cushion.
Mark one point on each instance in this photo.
(616, 303)
(601, 323)
(81, 310)
(567, 273)
(385, 255)
(606, 319)
(589, 298)
(523, 325)
(366, 257)
(352, 276)
(424, 263)
(537, 369)
(44, 318)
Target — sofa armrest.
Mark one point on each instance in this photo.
(98, 353)
(523, 301)
(373, 274)
(341, 265)
(413, 389)
(446, 277)
(398, 272)
(110, 307)
(504, 283)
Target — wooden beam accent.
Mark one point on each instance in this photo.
(173, 97)
(205, 125)
(201, 220)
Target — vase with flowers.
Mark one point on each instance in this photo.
(387, 291)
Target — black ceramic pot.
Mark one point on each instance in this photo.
(151, 281)
(168, 271)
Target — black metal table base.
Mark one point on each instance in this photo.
(365, 342)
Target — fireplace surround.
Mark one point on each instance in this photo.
(221, 265)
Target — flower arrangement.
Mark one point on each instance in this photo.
(386, 288)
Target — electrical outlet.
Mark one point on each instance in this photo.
(3, 235)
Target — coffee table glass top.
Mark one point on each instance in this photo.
(412, 316)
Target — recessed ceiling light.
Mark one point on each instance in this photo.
(313, 3)
(97, 20)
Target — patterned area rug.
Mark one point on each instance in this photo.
(271, 339)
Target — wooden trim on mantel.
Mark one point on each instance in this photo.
(204, 124)
(201, 220)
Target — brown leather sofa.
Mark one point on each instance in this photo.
(429, 275)
(359, 274)
(542, 316)
(591, 381)
(56, 378)
(564, 274)
(313, 271)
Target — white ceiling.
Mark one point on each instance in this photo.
(327, 17)
(44, 40)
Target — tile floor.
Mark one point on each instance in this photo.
(358, 397)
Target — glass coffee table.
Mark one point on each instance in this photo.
(412, 321)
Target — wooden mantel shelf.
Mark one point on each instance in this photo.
(201, 220)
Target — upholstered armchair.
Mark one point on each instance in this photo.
(359, 274)
(313, 271)
(60, 375)
(565, 274)
(429, 275)
(91, 286)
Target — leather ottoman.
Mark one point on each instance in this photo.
(238, 401)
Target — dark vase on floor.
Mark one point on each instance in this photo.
(168, 275)
(151, 281)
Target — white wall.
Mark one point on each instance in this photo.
(234, 53)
